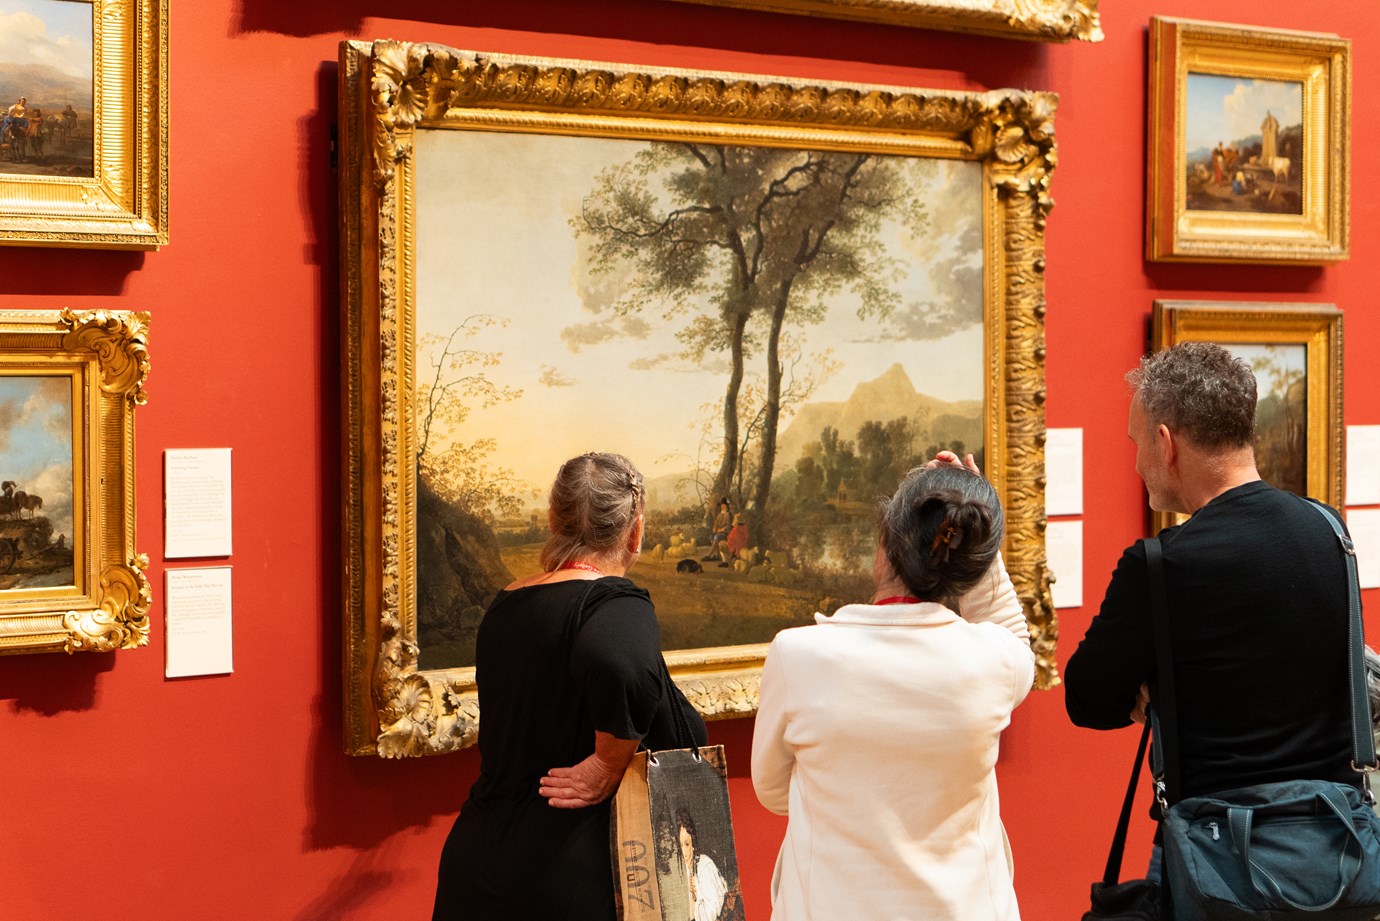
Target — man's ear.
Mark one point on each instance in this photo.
(1169, 444)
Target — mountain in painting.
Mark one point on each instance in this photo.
(890, 396)
(44, 86)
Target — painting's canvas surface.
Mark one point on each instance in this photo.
(790, 330)
(47, 88)
(1244, 145)
(36, 482)
(1281, 416)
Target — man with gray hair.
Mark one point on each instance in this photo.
(1256, 589)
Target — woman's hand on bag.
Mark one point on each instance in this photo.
(594, 779)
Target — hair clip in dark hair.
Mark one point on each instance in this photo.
(948, 538)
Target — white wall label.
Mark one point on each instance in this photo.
(1064, 472)
(1064, 549)
(196, 490)
(199, 636)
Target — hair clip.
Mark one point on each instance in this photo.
(944, 541)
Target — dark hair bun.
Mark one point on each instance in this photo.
(941, 531)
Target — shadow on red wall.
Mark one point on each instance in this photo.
(669, 24)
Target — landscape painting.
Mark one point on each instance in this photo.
(1295, 352)
(47, 88)
(36, 493)
(1244, 145)
(1281, 416)
(773, 335)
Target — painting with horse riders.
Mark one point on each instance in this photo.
(37, 517)
(47, 88)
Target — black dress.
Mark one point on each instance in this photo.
(547, 681)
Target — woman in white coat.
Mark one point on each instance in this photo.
(878, 728)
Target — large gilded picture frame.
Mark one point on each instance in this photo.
(428, 230)
(71, 578)
(84, 143)
(1296, 353)
(1249, 144)
(1042, 20)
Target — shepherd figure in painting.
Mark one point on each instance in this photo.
(35, 132)
(722, 522)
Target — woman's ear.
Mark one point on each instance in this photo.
(635, 535)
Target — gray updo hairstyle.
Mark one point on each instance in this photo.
(595, 500)
(941, 531)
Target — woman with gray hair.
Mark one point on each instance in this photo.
(571, 679)
(877, 728)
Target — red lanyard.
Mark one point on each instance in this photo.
(576, 564)
(898, 599)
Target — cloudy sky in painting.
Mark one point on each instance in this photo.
(56, 33)
(1227, 109)
(36, 443)
(494, 238)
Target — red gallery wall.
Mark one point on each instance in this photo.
(127, 795)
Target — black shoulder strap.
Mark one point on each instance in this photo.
(1166, 719)
(1362, 740)
(1112, 874)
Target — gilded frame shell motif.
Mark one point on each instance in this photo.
(1296, 350)
(1227, 180)
(72, 577)
(1042, 20)
(123, 203)
(392, 92)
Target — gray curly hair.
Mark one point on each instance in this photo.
(1200, 390)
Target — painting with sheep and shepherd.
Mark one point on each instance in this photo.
(773, 335)
(1245, 146)
(36, 493)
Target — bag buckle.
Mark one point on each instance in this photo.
(1347, 546)
(1365, 770)
(1160, 796)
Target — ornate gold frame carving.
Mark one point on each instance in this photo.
(125, 204)
(1043, 20)
(1322, 64)
(105, 355)
(1318, 327)
(391, 90)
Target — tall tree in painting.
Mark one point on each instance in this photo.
(741, 242)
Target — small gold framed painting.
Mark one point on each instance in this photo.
(1295, 351)
(1249, 144)
(70, 577)
(84, 124)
